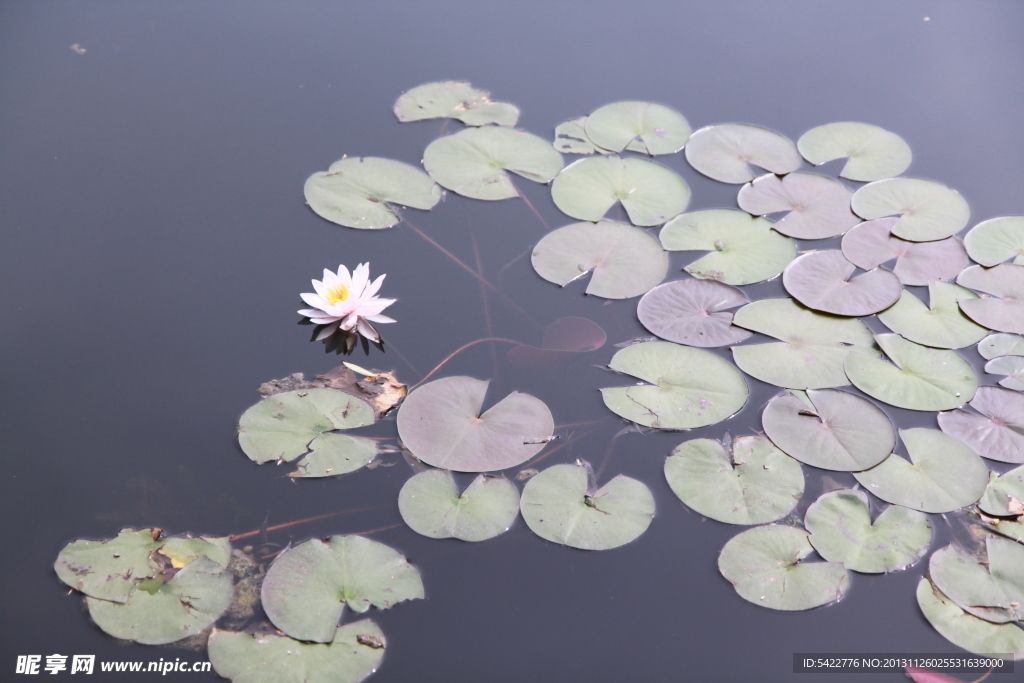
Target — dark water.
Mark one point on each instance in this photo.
(155, 242)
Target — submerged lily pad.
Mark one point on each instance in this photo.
(942, 324)
(871, 243)
(1003, 309)
(473, 162)
(813, 347)
(688, 387)
(625, 261)
(441, 423)
(650, 193)
(841, 531)
(763, 565)
(307, 586)
(1012, 367)
(431, 505)
(162, 612)
(992, 589)
(874, 153)
(945, 475)
(996, 434)
(823, 280)
(919, 378)
(563, 340)
(996, 240)
(726, 151)
(818, 206)
(927, 210)
(352, 654)
(837, 431)
(1004, 496)
(571, 138)
(743, 248)
(1001, 344)
(563, 505)
(454, 100)
(966, 630)
(358, 192)
(292, 424)
(754, 484)
(656, 128)
(693, 312)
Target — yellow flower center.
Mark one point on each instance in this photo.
(337, 294)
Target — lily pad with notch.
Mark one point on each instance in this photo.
(998, 432)
(308, 585)
(360, 192)
(625, 261)
(431, 505)
(818, 206)
(1012, 367)
(646, 127)
(941, 324)
(997, 240)
(927, 210)
(1002, 307)
(563, 505)
(688, 387)
(475, 162)
(824, 281)
(942, 475)
(725, 152)
(841, 530)
(871, 243)
(571, 138)
(1004, 496)
(442, 423)
(872, 153)
(966, 630)
(746, 481)
(650, 193)
(1001, 344)
(764, 566)
(743, 249)
(351, 656)
(454, 100)
(992, 588)
(693, 312)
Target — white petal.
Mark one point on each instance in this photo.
(380, 319)
(325, 320)
(349, 321)
(374, 286)
(314, 300)
(327, 332)
(366, 329)
(375, 306)
(344, 277)
(311, 312)
(359, 278)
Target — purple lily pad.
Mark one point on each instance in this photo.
(818, 206)
(996, 434)
(821, 280)
(872, 243)
(563, 340)
(1003, 309)
(693, 312)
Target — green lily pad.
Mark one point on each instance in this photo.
(1001, 344)
(1004, 496)
(743, 248)
(996, 240)
(873, 153)
(966, 630)
(474, 162)
(833, 430)
(919, 378)
(754, 484)
(726, 151)
(818, 206)
(763, 565)
(111, 570)
(353, 654)
(1012, 367)
(1003, 309)
(307, 586)
(841, 531)
(942, 324)
(927, 210)
(442, 424)
(625, 261)
(658, 129)
(993, 589)
(650, 193)
(945, 475)
(162, 612)
(998, 432)
(563, 505)
(688, 387)
(359, 192)
(454, 100)
(293, 424)
(813, 347)
(431, 505)
(693, 312)
(571, 138)
(871, 243)
(1010, 528)
(824, 281)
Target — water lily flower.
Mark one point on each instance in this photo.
(347, 304)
